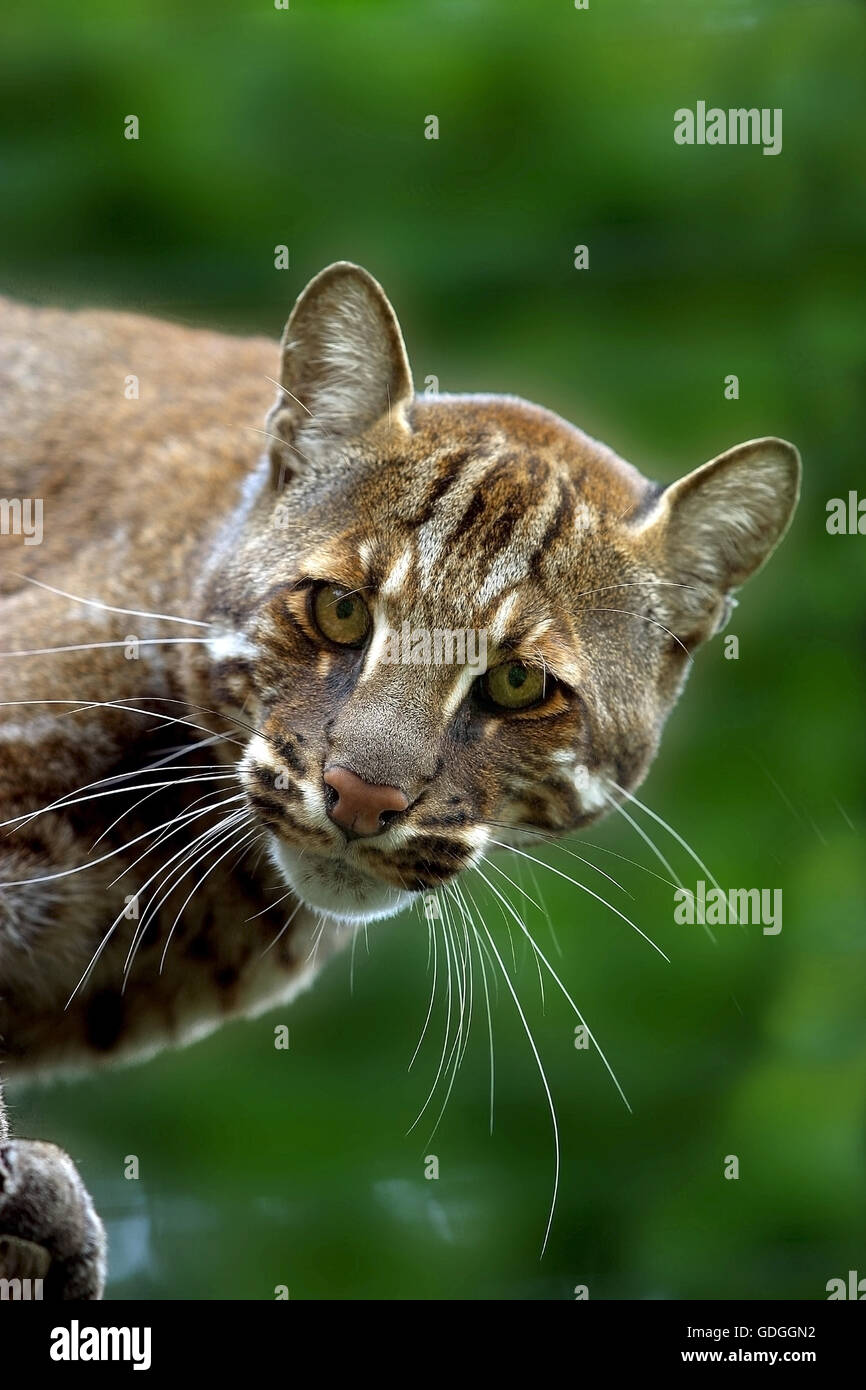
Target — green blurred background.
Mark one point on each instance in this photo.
(305, 127)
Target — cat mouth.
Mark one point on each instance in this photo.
(330, 884)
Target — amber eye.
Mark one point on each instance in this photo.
(343, 617)
(514, 686)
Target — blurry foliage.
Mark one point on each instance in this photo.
(305, 127)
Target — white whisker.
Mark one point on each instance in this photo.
(435, 949)
(544, 1082)
(676, 835)
(107, 607)
(644, 619)
(290, 919)
(94, 646)
(236, 843)
(582, 886)
(558, 981)
(467, 918)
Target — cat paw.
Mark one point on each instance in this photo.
(49, 1229)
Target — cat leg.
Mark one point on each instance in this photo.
(49, 1229)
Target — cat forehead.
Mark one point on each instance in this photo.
(487, 493)
(522, 438)
(489, 472)
(493, 538)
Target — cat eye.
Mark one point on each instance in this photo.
(340, 616)
(513, 685)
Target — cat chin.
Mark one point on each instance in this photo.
(336, 888)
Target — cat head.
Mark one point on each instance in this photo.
(455, 619)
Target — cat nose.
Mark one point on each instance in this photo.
(359, 807)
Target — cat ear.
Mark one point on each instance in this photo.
(343, 366)
(714, 528)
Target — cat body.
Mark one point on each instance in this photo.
(130, 508)
(207, 618)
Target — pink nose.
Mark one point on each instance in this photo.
(360, 806)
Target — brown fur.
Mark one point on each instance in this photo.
(449, 512)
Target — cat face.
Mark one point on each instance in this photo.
(453, 620)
